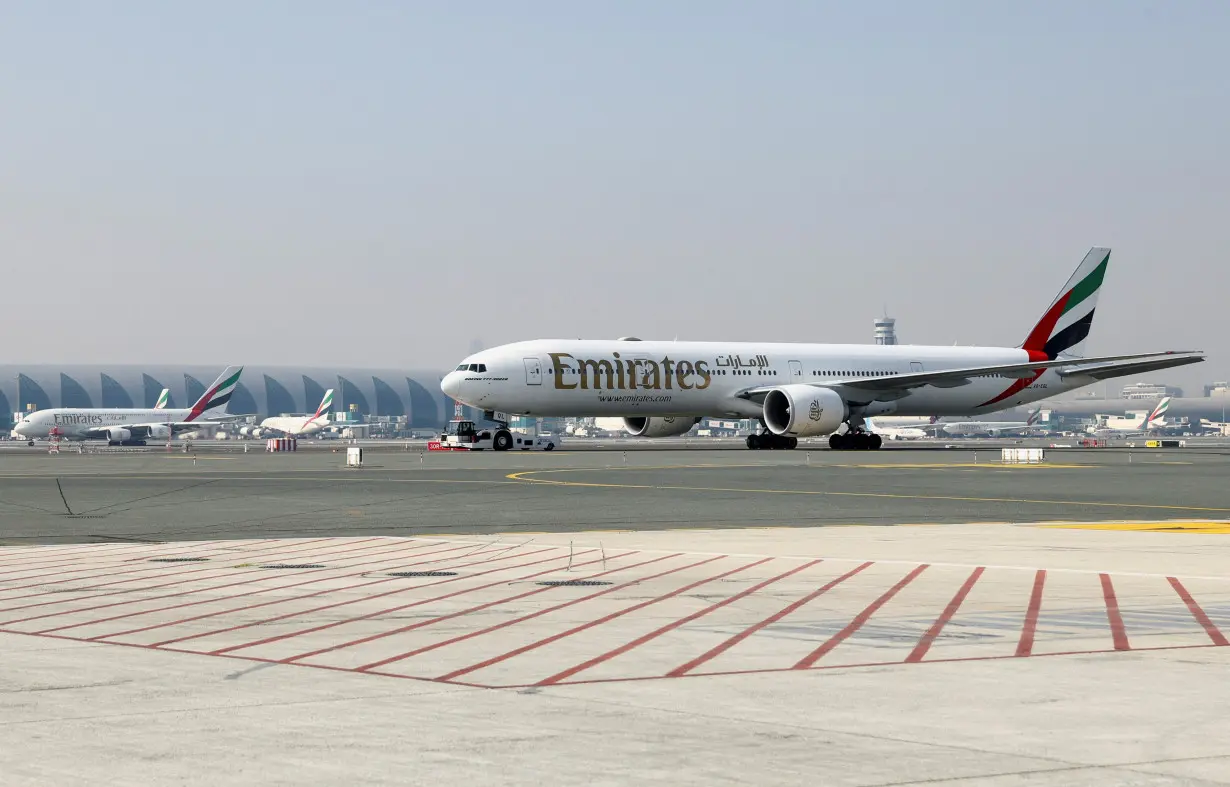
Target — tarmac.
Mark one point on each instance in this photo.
(613, 617)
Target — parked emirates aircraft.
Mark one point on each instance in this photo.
(131, 426)
(294, 425)
(662, 389)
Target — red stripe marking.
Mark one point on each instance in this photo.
(924, 644)
(775, 617)
(604, 619)
(259, 591)
(1025, 647)
(380, 595)
(221, 570)
(859, 620)
(636, 643)
(1209, 627)
(260, 576)
(36, 558)
(76, 563)
(161, 571)
(1112, 614)
(470, 610)
(522, 619)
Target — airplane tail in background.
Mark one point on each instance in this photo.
(1064, 326)
(163, 398)
(1158, 416)
(216, 397)
(326, 404)
(1033, 417)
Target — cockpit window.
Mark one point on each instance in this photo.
(482, 368)
(474, 367)
(461, 368)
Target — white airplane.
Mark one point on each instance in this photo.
(796, 390)
(1136, 424)
(895, 432)
(294, 425)
(990, 428)
(131, 426)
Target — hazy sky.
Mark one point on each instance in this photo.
(383, 183)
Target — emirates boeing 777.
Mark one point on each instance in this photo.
(662, 388)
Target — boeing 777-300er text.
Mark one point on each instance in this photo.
(662, 389)
(131, 426)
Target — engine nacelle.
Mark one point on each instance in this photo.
(659, 427)
(803, 411)
(159, 432)
(118, 435)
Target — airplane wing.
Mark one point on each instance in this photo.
(899, 385)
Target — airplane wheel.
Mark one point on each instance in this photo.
(502, 441)
(875, 442)
(836, 442)
(753, 441)
(550, 447)
(792, 443)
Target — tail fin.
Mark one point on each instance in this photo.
(1159, 413)
(163, 398)
(1033, 417)
(1062, 330)
(326, 404)
(216, 397)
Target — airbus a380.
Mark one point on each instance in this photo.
(131, 426)
(662, 389)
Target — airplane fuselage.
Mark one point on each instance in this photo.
(76, 424)
(655, 378)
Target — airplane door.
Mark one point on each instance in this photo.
(916, 366)
(796, 371)
(533, 371)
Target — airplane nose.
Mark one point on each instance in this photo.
(451, 385)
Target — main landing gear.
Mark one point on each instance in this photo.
(770, 441)
(855, 441)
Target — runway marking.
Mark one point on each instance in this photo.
(1025, 646)
(633, 644)
(385, 594)
(859, 620)
(522, 477)
(1113, 617)
(636, 643)
(925, 643)
(468, 610)
(709, 655)
(604, 619)
(1209, 627)
(1148, 527)
(262, 574)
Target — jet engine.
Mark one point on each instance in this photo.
(803, 411)
(659, 427)
(159, 432)
(117, 435)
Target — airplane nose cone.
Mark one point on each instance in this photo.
(451, 385)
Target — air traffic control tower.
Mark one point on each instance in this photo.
(886, 330)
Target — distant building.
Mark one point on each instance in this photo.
(886, 330)
(1144, 390)
(412, 397)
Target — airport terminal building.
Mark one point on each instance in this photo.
(414, 396)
